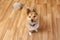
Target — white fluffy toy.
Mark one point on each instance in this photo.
(17, 5)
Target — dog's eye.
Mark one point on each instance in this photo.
(29, 16)
(34, 16)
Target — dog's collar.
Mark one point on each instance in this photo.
(32, 25)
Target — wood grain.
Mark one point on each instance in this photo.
(12, 23)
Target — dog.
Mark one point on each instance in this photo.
(32, 21)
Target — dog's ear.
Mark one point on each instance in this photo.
(28, 10)
(34, 10)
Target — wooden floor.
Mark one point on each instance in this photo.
(12, 25)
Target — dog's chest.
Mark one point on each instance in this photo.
(33, 26)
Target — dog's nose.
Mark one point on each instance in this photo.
(31, 20)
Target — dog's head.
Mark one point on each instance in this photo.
(32, 15)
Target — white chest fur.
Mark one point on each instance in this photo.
(33, 27)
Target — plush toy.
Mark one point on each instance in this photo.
(17, 5)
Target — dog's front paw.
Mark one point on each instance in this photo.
(36, 30)
(30, 33)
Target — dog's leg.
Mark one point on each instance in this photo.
(30, 33)
(36, 30)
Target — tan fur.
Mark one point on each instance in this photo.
(32, 15)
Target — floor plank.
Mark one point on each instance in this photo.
(12, 23)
